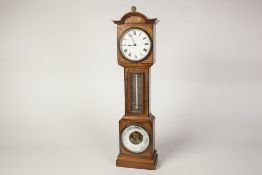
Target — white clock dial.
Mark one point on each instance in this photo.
(135, 44)
(135, 139)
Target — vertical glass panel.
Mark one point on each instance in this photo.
(136, 92)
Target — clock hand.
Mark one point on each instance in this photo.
(127, 44)
(133, 40)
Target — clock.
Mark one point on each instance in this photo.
(135, 44)
(136, 54)
(135, 139)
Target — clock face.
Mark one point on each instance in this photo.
(135, 44)
(135, 139)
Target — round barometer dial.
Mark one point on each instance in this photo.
(135, 139)
(135, 44)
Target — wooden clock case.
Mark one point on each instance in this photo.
(144, 119)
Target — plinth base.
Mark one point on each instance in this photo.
(137, 162)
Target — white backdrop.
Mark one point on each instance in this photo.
(62, 92)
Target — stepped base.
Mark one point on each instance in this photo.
(137, 162)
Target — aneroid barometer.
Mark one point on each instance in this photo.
(135, 52)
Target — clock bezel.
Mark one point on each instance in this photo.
(148, 133)
(121, 36)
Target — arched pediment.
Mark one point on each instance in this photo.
(135, 17)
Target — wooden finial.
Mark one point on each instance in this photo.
(133, 8)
